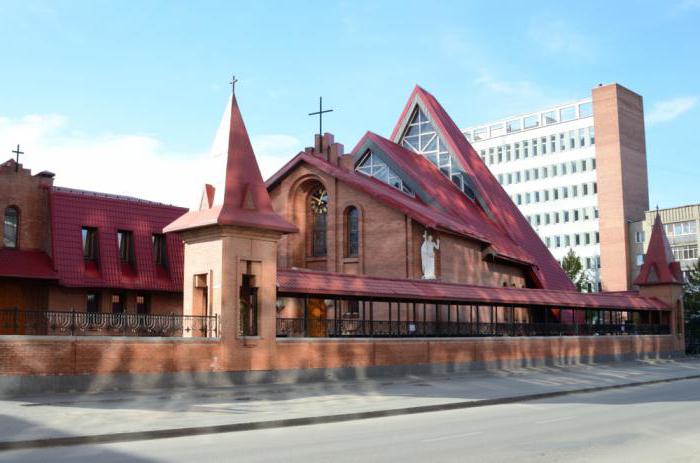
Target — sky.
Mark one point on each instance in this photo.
(126, 97)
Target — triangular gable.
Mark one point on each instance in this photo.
(487, 191)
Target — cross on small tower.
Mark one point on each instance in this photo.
(320, 114)
(17, 152)
(233, 84)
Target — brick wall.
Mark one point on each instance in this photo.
(21, 355)
(389, 240)
(30, 195)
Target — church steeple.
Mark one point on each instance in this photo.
(246, 202)
(659, 267)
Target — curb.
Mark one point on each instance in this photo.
(305, 421)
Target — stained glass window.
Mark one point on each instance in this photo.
(319, 213)
(352, 232)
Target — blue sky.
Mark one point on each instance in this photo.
(126, 96)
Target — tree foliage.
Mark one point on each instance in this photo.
(691, 292)
(574, 270)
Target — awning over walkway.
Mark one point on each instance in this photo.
(308, 282)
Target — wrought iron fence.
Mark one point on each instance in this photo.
(57, 323)
(300, 327)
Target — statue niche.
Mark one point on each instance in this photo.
(427, 255)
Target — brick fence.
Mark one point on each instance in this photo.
(83, 363)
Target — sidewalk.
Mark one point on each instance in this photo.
(152, 414)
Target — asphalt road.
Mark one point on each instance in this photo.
(654, 423)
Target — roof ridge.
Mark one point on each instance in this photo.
(101, 195)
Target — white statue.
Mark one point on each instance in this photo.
(427, 255)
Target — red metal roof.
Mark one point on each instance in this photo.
(246, 200)
(659, 266)
(71, 210)
(20, 263)
(336, 284)
(546, 269)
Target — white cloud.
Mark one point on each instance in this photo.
(125, 164)
(667, 110)
(519, 87)
(561, 38)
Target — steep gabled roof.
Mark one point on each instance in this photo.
(491, 196)
(246, 200)
(659, 266)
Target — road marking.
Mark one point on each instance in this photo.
(555, 420)
(452, 436)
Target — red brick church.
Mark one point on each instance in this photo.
(404, 237)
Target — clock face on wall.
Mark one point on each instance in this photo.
(319, 201)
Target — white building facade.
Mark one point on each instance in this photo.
(546, 161)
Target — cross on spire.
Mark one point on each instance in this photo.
(17, 152)
(233, 83)
(320, 114)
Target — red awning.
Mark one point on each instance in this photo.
(19, 263)
(336, 284)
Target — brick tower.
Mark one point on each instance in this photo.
(230, 265)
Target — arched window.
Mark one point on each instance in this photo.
(352, 232)
(11, 228)
(318, 205)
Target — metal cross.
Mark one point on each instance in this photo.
(320, 114)
(233, 84)
(17, 152)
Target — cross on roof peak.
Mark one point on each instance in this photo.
(17, 152)
(233, 83)
(320, 114)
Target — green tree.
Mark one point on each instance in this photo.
(574, 270)
(691, 292)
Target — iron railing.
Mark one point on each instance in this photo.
(300, 327)
(62, 323)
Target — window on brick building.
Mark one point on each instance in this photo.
(11, 228)
(118, 303)
(160, 250)
(89, 236)
(92, 303)
(318, 208)
(352, 232)
(125, 242)
(143, 305)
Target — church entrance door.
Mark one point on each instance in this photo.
(317, 313)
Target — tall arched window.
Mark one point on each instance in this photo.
(318, 205)
(11, 228)
(352, 232)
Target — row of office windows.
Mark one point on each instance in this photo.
(553, 170)
(689, 251)
(125, 246)
(577, 239)
(539, 146)
(688, 227)
(532, 121)
(574, 215)
(555, 194)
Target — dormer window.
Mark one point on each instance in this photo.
(125, 242)
(89, 236)
(372, 166)
(11, 228)
(160, 253)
